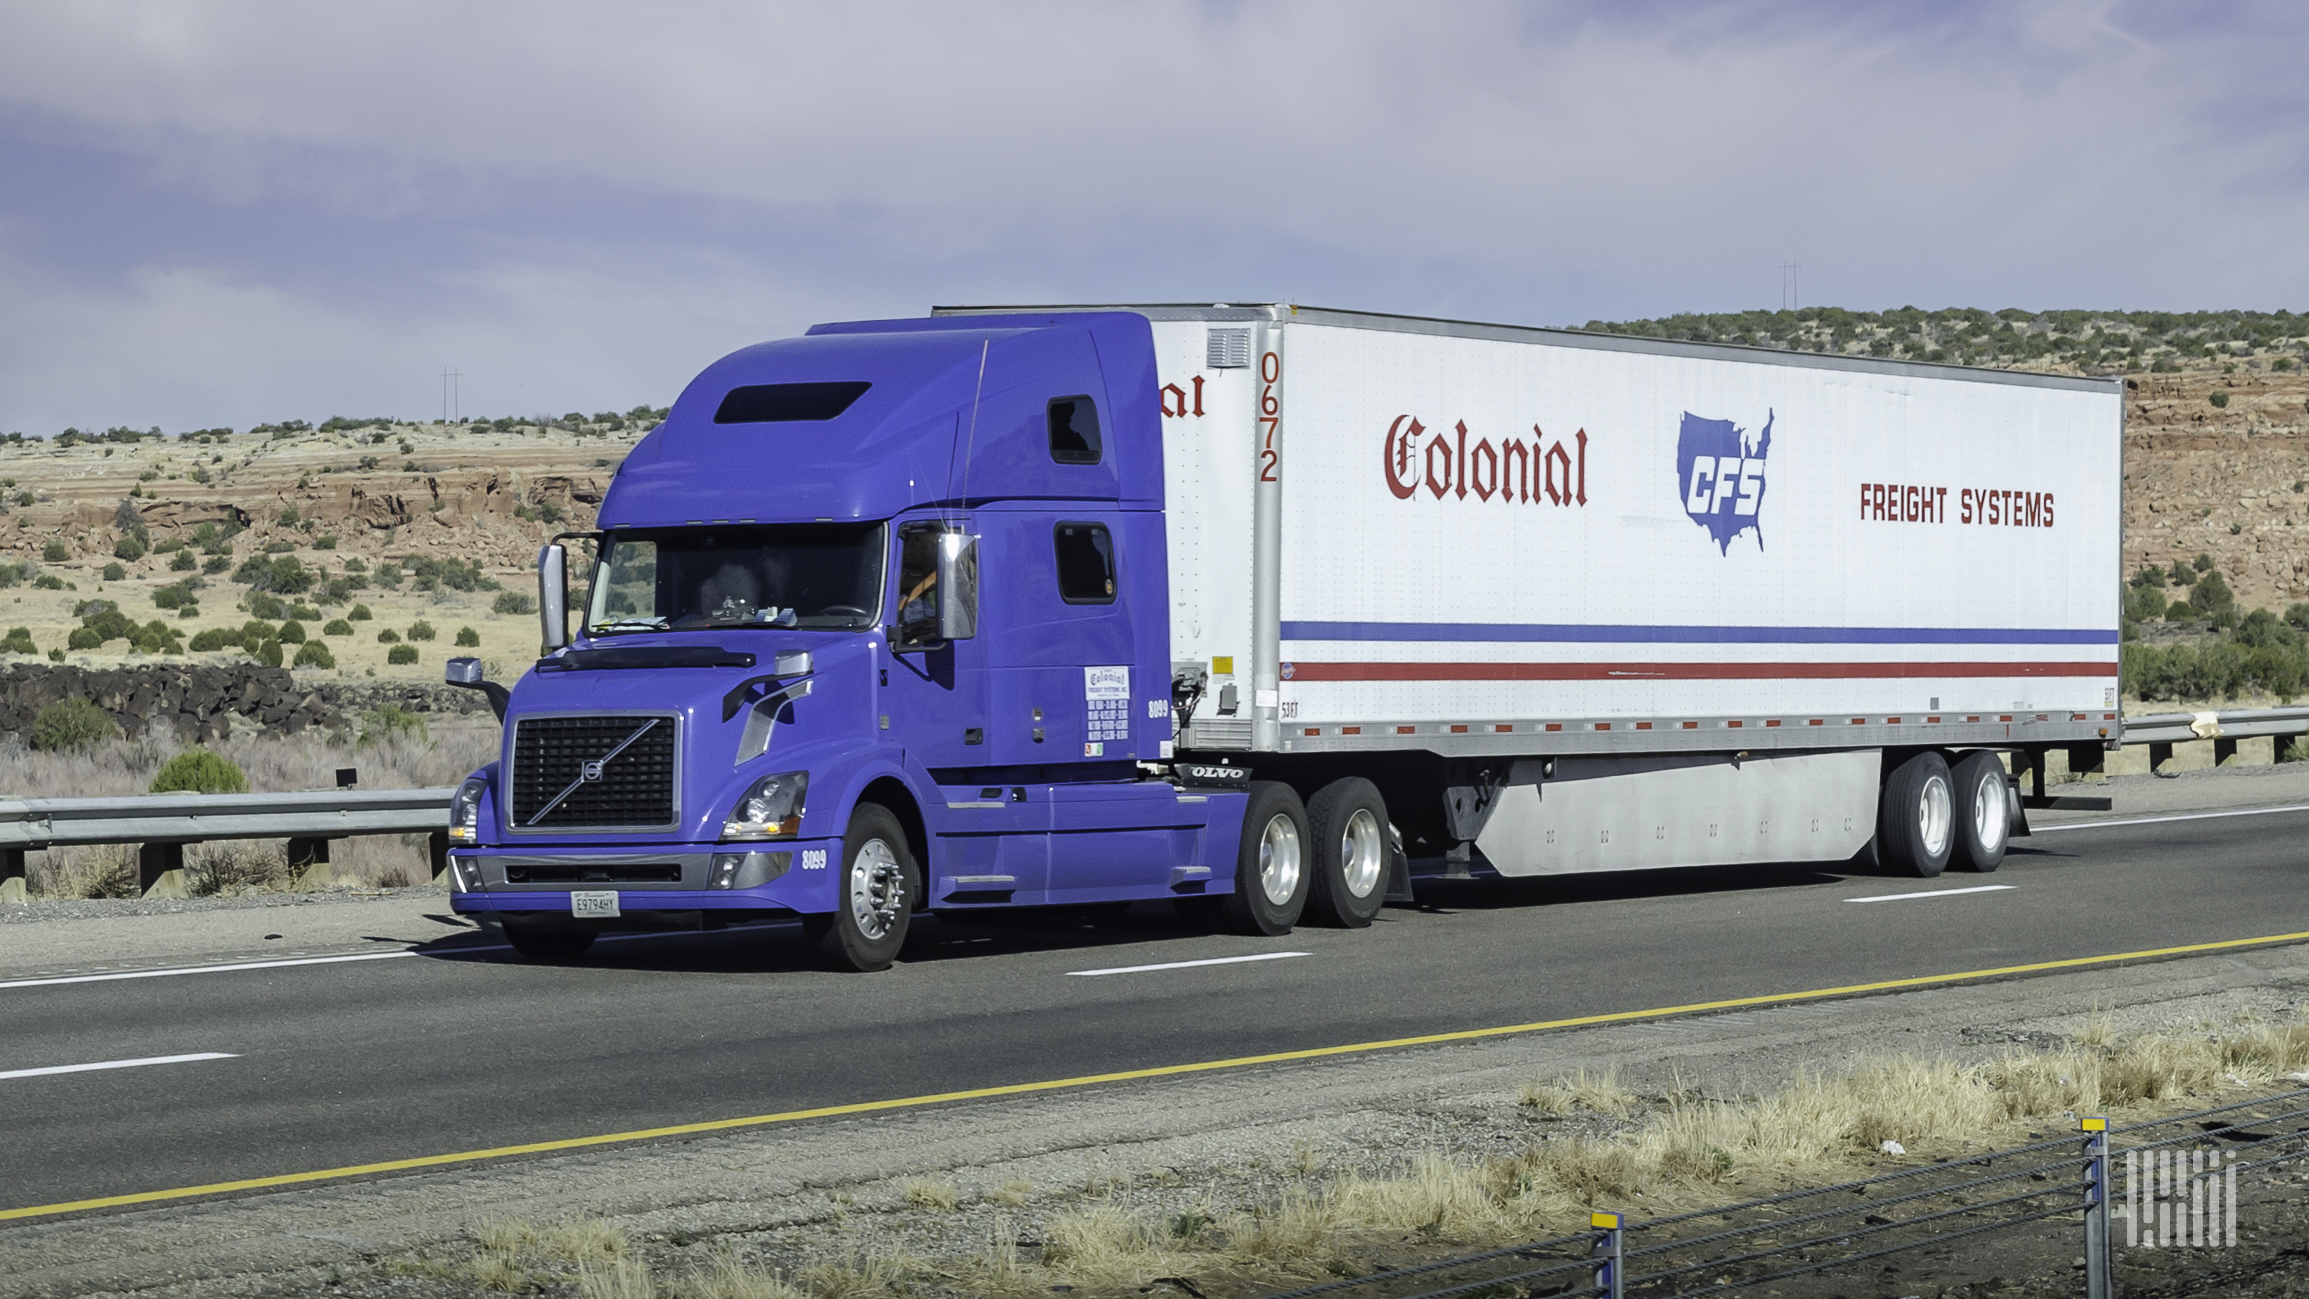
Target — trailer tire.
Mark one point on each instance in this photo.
(1271, 867)
(549, 944)
(1916, 818)
(875, 894)
(1348, 819)
(1983, 812)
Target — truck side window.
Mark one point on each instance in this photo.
(1074, 431)
(918, 584)
(1085, 563)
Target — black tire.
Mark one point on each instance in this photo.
(1272, 878)
(1348, 819)
(874, 896)
(1916, 818)
(1983, 812)
(550, 944)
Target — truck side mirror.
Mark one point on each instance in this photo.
(958, 578)
(465, 671)
(553, 595)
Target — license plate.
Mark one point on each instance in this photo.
(599, 904)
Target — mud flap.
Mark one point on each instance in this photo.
(2016, 822)
(1398, 868)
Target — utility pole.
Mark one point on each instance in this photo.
(1790, 299)
(452, 396)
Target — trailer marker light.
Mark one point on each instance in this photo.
(1505, 728)
(1314, 730)
(2004, 717)
(1643, 726)
(1815, 722)
(1350, 730)
(1972, 719)
(1603, 726)
(1458, 728)
(1555, 726)
(2108, 717)
(2076, 717)
(1932, 719)
(1406, 730)
(1691, 726)
(1735, 725)
(1892, 721)
(1859, 721)
(1774, 722)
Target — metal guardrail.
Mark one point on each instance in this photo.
(2229, 724)
(34, 823)
(162, 824)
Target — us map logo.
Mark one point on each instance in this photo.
(1721, 468)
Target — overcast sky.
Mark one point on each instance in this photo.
(227, 213)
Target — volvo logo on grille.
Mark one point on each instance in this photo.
(589, 770)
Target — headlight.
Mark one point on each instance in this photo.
(771, 808)
(465, 811)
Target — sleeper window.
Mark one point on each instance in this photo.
(1085, 563)
(1074, 431)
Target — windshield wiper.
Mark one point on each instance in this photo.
(631, 624)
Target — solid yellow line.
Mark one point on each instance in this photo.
(1086, 1080)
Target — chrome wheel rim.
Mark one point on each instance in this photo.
(1359, 853)
(1988, 812)
(877, 889)
(1279, 859)
(1935, 816)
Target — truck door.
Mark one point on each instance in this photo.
(934, 691)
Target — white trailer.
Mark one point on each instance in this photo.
(1581, 602)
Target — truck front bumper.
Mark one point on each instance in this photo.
(788, 875)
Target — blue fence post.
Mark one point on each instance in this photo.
(2098, 1284)
(1607, 1252)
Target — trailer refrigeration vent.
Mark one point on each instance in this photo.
(777, 403)
(565, 775)
(1228, 349)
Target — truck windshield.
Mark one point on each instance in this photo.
(789, 575)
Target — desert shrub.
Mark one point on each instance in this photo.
(215, 638)
(280, 574)
(387, 636)
(114, 572)
(420, 630)
(2218, 398)
(199, 771)
(2263, 629)
(326, 541)
(11, 574)
(337, 627)
(72, 726)
(130, 547)
(183, 562)
(2143, 602)
(401, 655)
(18, 641)
(359, 613)
(291, 633)
(83, 638)
(2180, 611)
(266, 606)
(390, 720)
(513, 602)
(314, 654)
(300, 610)
(268, 653)
(2150, 575)
(289, 516)
(468, 638)
(215, 564)
(49, 582)
(2212, 592)
(54, 552)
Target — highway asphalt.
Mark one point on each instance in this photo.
(315, 1066)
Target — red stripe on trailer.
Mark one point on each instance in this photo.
(1688, 671)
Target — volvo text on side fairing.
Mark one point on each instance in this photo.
(1270, 609)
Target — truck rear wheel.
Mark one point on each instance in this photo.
(1983, 816)
(1916, 819)
(1271, 875)
(1348, 819)
(874, 899)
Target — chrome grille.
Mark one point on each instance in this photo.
(564, 777)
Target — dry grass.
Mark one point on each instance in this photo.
(454, 747)
(1565, 1096)
(1103, 1244)
(726, 1276)
(856, 1274)
(930, 1192)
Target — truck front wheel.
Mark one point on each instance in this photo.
(1916, 820)
(1271, 868)
(875, 901)
(1349, 820)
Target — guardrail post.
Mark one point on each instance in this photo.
(1607, 1251)
(2098, 1282)
(155, 862)
(307, 856)
(437, 852)
(11, 875)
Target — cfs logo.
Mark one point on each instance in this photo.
(1720, 467)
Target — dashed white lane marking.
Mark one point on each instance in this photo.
(219, 968)
(1185, 965)
(117, 1064)
(1936, 893)
(2157, 820)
